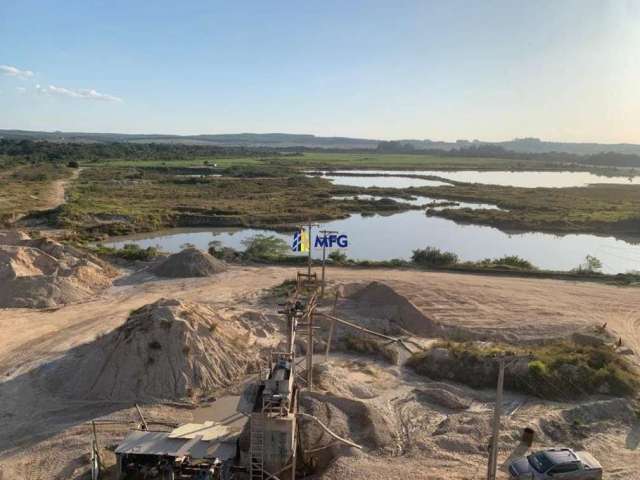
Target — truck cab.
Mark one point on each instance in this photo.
(556, 464)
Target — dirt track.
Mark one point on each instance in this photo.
(36, 427)
(56, 195)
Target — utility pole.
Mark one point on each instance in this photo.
(308, 227)
(310, 351)
(309, 252)
(497, 413)
(324, 258)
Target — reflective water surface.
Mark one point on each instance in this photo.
(505, 178)
(381, 237)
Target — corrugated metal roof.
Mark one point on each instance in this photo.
(206, 431)
(215, 437)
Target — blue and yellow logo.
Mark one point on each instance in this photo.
(300, 241)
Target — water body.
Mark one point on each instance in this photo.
(421, 201)
(383, 182)
(382, 237)
(504, 178)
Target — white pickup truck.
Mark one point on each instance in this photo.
(556, 464)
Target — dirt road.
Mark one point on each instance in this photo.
(56, 195)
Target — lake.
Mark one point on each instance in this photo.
(422, 201)
(504, 178)
(381, 237)
(383, 182)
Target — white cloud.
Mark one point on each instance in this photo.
(84, 93)
(10, 71)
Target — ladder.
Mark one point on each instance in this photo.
(256, 450)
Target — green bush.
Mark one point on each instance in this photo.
(560, 370)
(510, 261)
(591, 264)
(130, 252)
(370, 346)
(338, 256)
(264, 247)
(537, 368)
(433, 257)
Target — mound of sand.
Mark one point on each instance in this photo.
(352, 419)
(165, 350)
(380, 300)
(190, 262)
(43, 273)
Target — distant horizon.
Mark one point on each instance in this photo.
(315, 135)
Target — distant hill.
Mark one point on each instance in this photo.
(287, 140)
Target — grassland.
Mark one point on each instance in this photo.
(613, 209)
(26, 188)
(350, 160)
(118, 196)
(125, 200)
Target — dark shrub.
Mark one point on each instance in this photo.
(433, 257)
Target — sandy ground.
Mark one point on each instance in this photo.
(56, 195)
(44, 437)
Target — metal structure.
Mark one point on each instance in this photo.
(210, 450)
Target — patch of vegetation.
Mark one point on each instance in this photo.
(370, 346)
(433, 257)
(259, 171)
(264, 247)
(118, 201)
(512, 261)
(130, 251)
(559, 370)
(146, 187)
(26, 188)
(597, 208)
(283, 289)
(590, 265)
(338, 257)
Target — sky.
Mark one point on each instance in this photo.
(562, 70)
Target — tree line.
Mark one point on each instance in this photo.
(57, 152)
(497, 151)
(43, 151)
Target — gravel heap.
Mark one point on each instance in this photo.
(190, 262)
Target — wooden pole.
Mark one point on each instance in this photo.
(95, 451)
(290, 331)
(497, 413)
(310, 350)
(324, 259)
(143, 422)
(309, 252)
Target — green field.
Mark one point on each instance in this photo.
(27, 187)
(124, 195)
(344, 160)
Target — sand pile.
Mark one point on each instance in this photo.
(43, 273)
(190, 262)
(165, 350)
(382, 301)
(352, 419)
